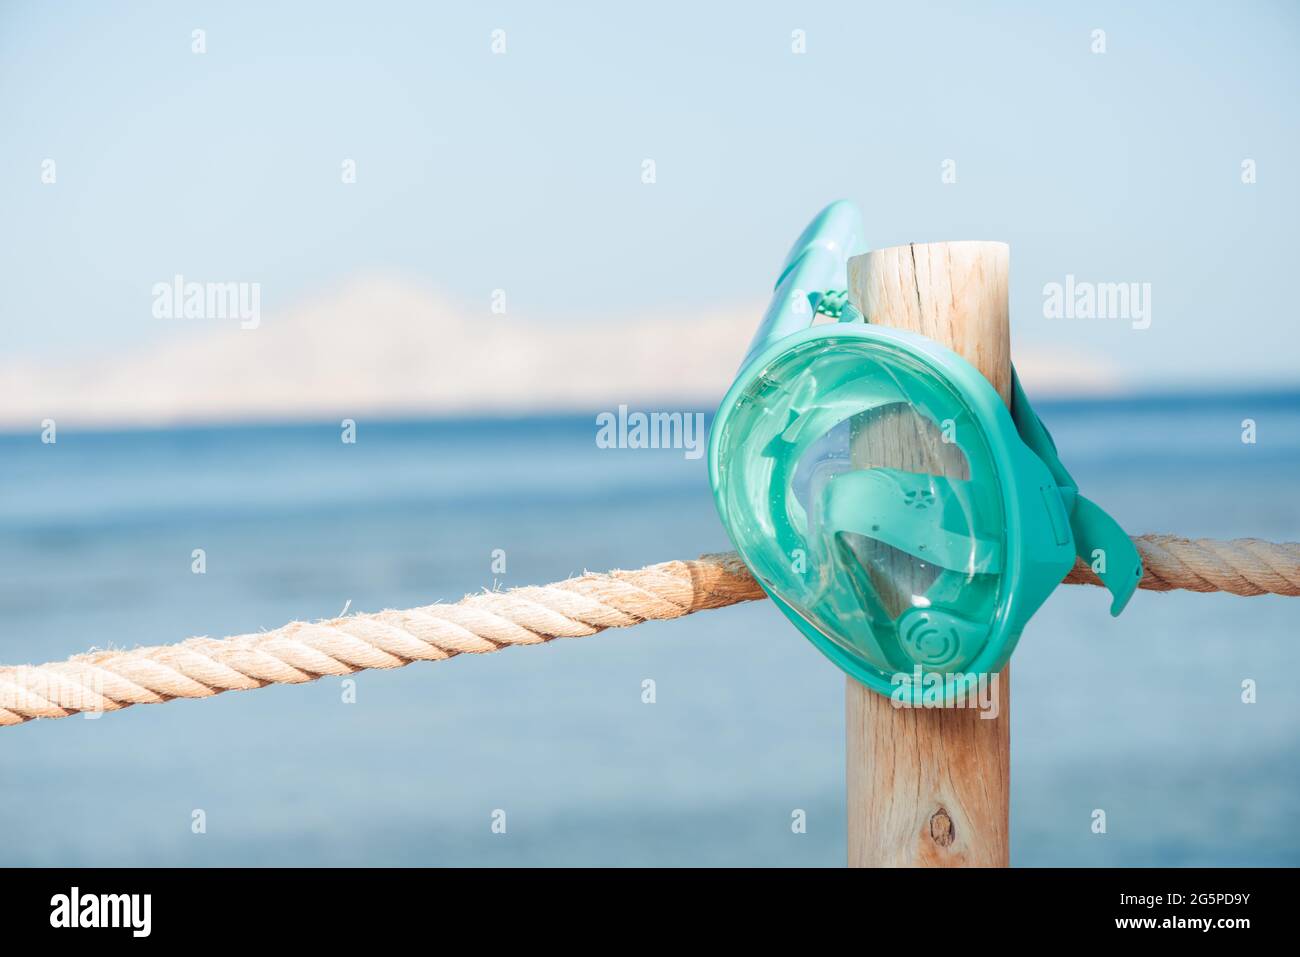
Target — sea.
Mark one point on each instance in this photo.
(1178, 721)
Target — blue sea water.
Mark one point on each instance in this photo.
(1141, 716)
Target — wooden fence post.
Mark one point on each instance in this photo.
(929, 787)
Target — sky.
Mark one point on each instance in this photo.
(523, 171)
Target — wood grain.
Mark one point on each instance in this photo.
(928, 787)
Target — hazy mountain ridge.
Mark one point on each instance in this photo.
(393, 348)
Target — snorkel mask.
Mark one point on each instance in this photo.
(883, 495)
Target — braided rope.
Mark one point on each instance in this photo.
(303, 651)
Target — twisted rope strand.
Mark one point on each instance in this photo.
(1243, 566)
(478, 624)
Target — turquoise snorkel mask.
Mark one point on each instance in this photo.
(936, 566)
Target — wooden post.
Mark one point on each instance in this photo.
(929, 787)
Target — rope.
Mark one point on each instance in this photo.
(304, 651)
(1243, 566)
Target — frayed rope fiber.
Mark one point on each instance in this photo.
(477, 624)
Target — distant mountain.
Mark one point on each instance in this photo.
(384, 347)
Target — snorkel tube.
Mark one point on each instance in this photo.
(815, 275)
(887, 570)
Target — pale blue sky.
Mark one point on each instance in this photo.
(522, 171)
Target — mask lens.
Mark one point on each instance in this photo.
(862, 489)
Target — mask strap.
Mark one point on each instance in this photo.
(1098, 538)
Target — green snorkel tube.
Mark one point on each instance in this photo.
(894, 573)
